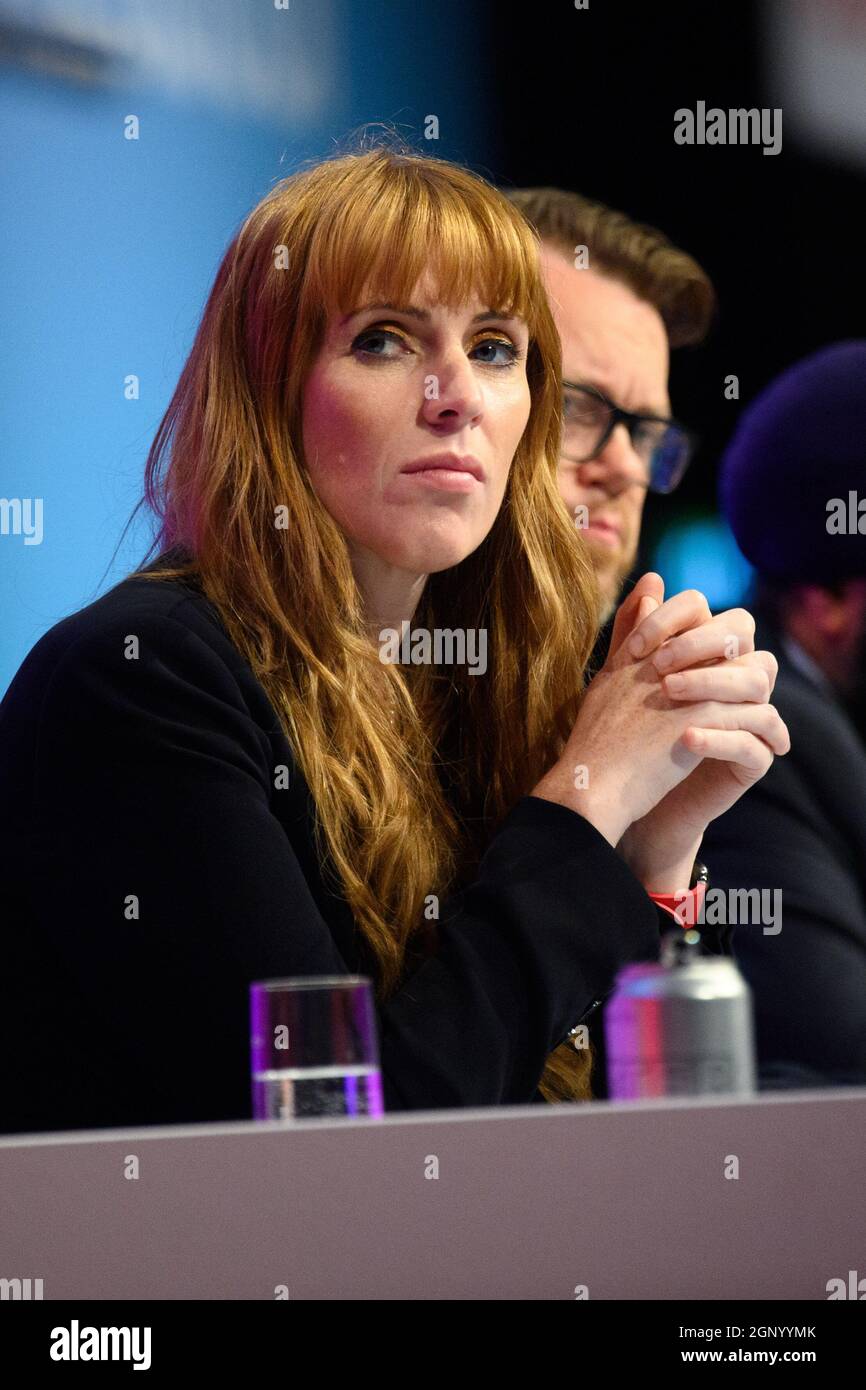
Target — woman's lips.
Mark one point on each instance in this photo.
(445, 479)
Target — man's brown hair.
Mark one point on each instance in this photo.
(640, 256)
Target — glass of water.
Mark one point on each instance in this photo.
(314, 1048)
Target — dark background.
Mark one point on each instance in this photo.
(585, 100)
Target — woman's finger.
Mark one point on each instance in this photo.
(635, 608)
(764, 721)
(723, 638)
(685, 610)
(749, 677)
(731, 746)
(768, 661)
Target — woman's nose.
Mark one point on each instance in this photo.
(452, 392)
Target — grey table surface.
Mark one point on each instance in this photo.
(753, 1198)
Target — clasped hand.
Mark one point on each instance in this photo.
(674, 728)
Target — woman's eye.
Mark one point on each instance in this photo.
(373, 342)
(498, 345)
(387, 344)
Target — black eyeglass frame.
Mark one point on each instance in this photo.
(631, 419)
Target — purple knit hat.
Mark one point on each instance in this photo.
(794, 475)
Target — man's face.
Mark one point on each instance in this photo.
(616, 342)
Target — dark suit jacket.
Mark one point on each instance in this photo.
(155, 777)
(802, 829)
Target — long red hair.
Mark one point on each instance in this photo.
(405, 803)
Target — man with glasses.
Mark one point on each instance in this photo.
(622, 296)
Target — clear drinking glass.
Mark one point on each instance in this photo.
(314, 1048)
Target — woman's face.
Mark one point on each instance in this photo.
(396, 386)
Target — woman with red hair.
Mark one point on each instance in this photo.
(213, 774)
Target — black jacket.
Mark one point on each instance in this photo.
(153, 779)
(802, 830)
